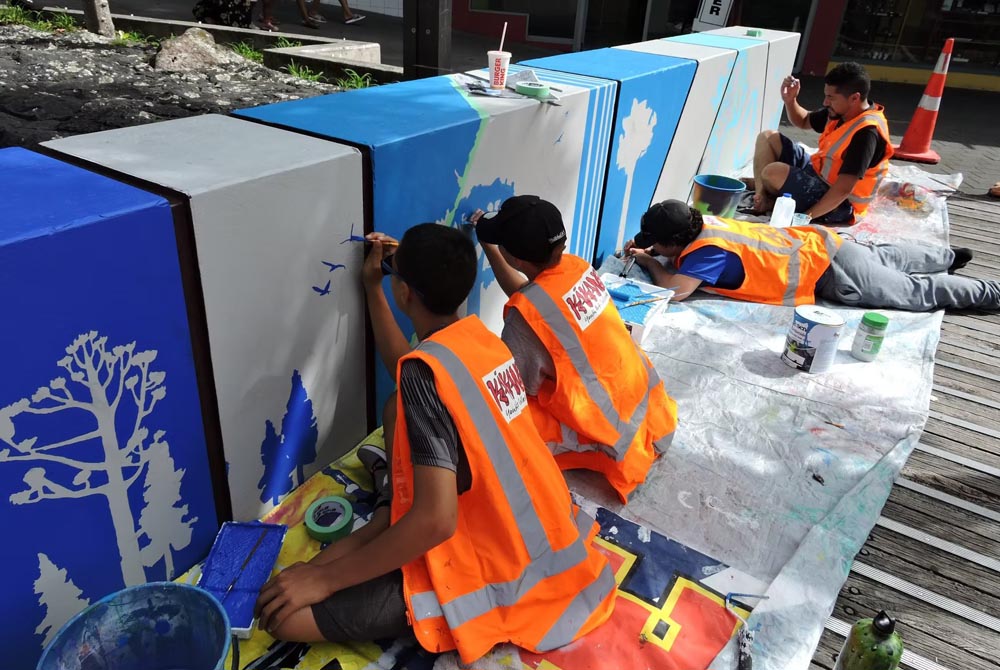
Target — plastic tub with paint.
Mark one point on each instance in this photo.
(717, 195)
(155, 626)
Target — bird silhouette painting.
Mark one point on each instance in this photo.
(323, 291)
(333, 266)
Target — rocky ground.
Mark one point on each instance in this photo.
(59, 84)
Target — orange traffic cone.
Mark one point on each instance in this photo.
(916, 144)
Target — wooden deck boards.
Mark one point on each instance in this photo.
(960, 458)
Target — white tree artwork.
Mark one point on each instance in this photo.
(58, 595)
(633, 143)
(115, 391)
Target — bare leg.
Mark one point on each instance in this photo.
(766, 152)
(300, 626)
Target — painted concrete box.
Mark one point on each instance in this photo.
(271, 213)
(435, 153)
(694, 129)
(782, 48)
(652, 90)
(104, 471)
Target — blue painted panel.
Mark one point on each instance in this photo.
(104, 476)
(651, 95)
(420, 135)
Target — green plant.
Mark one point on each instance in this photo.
(303, 72)
(355, 80)
(61, 21)
(285, 43)
(247, 51)
(126, 38)
(15, 15)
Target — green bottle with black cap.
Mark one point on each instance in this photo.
(872, 644)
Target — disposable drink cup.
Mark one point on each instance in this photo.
(499, 61)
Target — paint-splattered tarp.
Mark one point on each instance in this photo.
(670, 613)
(778, 473)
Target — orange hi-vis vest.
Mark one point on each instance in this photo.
(782, 265)
(833, 142)
(607, 409)
(521, 566)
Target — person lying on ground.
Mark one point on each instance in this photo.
(474, 539)
(836, 185)
(594, 396)
(794, 266)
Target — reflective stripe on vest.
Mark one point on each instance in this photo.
(835, 148)
(544, 561)
(570, 341)
(794, 261)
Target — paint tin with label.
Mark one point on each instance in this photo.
(812, 340)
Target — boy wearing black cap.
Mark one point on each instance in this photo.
(595, 397)
(793, 266)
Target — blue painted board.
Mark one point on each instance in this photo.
(652, 90)
(437, 153)
(104, 476)
(239, 564)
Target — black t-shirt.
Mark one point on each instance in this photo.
(866, 150)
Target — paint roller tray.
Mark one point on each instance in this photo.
(625, 292)
(234, 543)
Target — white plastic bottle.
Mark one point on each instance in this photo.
(784, 210)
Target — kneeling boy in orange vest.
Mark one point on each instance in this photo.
(478, 542)
(595, 397)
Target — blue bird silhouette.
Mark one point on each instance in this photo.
(323, 291)
(333, 266)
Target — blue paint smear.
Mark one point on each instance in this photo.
(82, 252)
(661, 559)
(285, 455)
(662, 82)
(233, 544)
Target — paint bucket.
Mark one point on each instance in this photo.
(812, 340)
(717, 195)
(156, 625)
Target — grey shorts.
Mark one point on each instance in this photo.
(373, 610)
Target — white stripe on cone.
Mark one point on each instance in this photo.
(942, 64)
(930, 103)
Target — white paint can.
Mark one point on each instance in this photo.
(812, 340)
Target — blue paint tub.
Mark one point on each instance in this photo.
(717, 195)
(155, 626)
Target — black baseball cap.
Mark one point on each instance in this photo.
(662, 222)
(528, 227)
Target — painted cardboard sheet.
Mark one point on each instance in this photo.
(437, 153)
(708, 88)
(738, 117)
(781, 51)
(652, 90)
(271, 211)
(669, 614)
(104, 476)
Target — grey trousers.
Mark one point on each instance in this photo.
(903, 276)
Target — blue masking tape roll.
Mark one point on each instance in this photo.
(329, 519)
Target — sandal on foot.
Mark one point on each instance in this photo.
(269, 26)
(309, 23)
(357, 18)
(318, 18)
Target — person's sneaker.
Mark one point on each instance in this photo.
(962, 258)
(374, 460)
(357, 18)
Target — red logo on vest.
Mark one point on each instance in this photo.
(507, 389)
(587, 299)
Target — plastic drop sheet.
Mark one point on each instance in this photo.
(779, 473)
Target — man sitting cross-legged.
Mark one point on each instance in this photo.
(480, 543)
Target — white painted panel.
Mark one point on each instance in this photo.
(694, 129)
(780, 60)
(269, 208)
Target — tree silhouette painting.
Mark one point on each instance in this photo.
(286, 454)
(58, 595)
(633, 143)
(113, 390)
